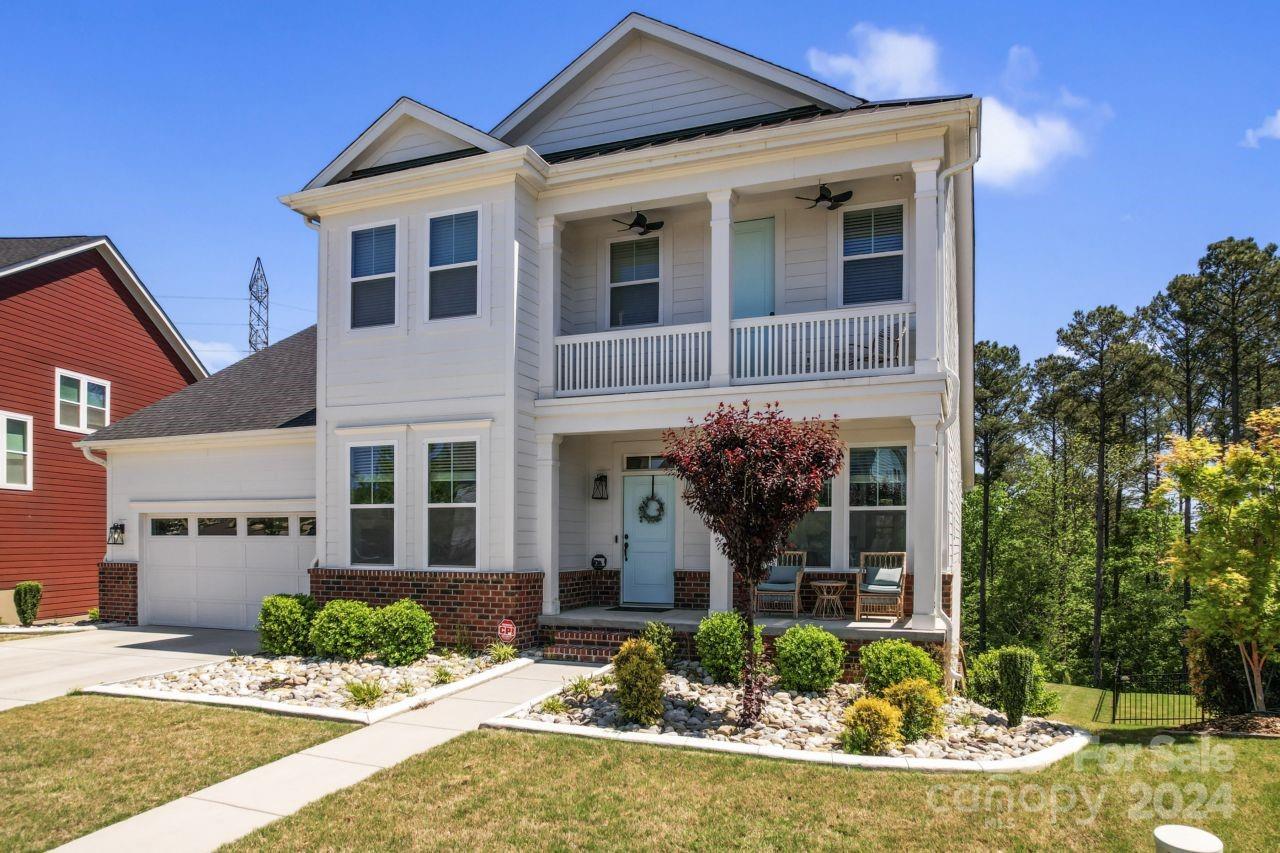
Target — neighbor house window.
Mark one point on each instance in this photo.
(453, 266)
(373, 277)
(373, 504)
(18, 469)
(877, 500)
(270, 526)
(813, 533)
(169, 527)
(216, 526)
(633, 282)
(83, 402)
(451, 503)
(307, 525)
(872, 255)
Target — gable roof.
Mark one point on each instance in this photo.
(24, 253)
(274, 388)
(594, 57)
(467, 136)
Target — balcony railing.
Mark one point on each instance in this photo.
(791, 347)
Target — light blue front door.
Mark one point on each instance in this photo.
(753, 268)
(649, 547)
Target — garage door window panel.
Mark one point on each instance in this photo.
(216, 526)
(372, 510)
(268, 526)
(307, 525)
(169, 527)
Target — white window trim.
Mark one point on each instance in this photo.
(84, 379)
(478, 263)
(610, 284)
(396, 275)
(30, 452)
(839, 257)
(481, 440)
(396, 506)
(843, 498)
(831, 526)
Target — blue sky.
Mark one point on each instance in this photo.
(1120, 138)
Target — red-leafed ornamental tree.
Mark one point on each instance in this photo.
(751, 476)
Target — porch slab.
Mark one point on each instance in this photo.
(686, 621)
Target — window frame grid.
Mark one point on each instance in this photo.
(29, 452)
(353, 280)
(477, 263)
(849, 508)
(428, 505)
(842, 258)
(394, 506)
(610, 284)
(83, 406)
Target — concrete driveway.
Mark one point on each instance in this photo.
(40, 668)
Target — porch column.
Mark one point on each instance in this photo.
(549, 230)
(925, 522)
(721, 597)
(925, 267)
(549, 520)
(721, 283)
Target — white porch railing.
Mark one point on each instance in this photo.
(633, 360)
(823, 344)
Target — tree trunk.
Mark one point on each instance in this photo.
(1236, 432)
(1255, 662)
(751, 683)
(982, 561)
(1099, 550)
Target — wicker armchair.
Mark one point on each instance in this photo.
(783, 585)
(882, 585)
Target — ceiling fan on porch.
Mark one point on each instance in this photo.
(640, 224)
(826, 199)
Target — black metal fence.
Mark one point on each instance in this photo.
(1162, 698)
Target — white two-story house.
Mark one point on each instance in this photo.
(509, 320)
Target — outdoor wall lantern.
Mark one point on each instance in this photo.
(600, 488)
(115, 534)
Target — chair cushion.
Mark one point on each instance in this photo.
(886, 575)
(769, 586)
(879, 588)
(783, 574)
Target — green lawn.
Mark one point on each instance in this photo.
(74, 764)
(506, 790)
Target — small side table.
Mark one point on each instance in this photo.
(828, 605)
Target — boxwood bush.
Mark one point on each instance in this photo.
(871, 726)
(638, 674)
(343, 629)
(403, 632)
(983, 684)
(720, 646)
(921, 706)
(886, 662)
(1016, 669)
(26, 600)
(808, 658)
(660, 636)
(284, 624)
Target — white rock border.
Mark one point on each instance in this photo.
(1022, 764)
(350, 716)
(37, 630)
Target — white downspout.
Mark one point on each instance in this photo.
(91, 456)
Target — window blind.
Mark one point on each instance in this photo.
(373, 303)
(454, 239)
(373, 251)
(633, 260)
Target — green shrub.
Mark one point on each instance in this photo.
(886, 662)
(343, 629)
(808, 658)
(659, 635)
(443, 675)
(501, 653)
(364, 694)
(94, 615)
(871, 726)
(284, 624)
(581, 688)
(553, 705)
(1218, 678)
(639, 676)
(403, 632)
(720, 646)
(26, 600)
(921, 706)
(983, 684)
(1016, 669)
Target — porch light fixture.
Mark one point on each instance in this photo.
(600, 488)
(115, 534)
(826, 199)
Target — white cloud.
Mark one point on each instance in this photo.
(1269, 129)
(216, 354)
(1016, 147)
(885, 64)
(1021, 68)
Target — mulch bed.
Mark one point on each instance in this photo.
(1255, 725)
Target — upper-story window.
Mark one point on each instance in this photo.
(633, 282)
(373, 277)
(18, 472)
(84, 403)
(453, 266)
(872, 261)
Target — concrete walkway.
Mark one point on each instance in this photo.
(230, 809)
(46, 666)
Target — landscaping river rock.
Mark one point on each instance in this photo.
(314, 682)
(696, 707)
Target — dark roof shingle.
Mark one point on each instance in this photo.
(271, 389)
(19, 250)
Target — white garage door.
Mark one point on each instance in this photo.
(207, 571)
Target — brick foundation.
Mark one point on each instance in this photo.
(693, 590)
(608, 588)
(589, 588)
(118, 592)
(466, 606)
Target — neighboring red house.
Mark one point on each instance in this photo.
(82, 344)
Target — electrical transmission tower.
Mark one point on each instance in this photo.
(259, 334)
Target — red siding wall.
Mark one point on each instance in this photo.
(74, 314)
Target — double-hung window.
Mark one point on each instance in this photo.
(83, 402)
(451, 503)
(372, 496)
(453, 266)
(872, 255)
(373, 277)
(18, 469)
(633, 282)
(877, 500)
(812, 534)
